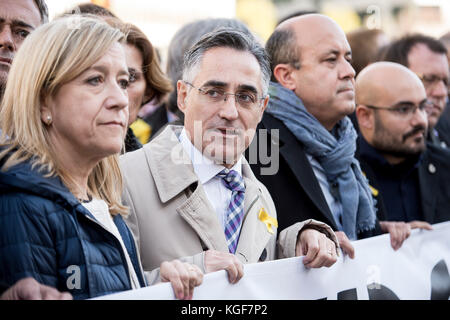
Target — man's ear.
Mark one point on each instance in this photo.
(263, 107)
(181, 95)
(365, 117)
(283, 73)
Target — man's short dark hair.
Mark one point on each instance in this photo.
(185, 38)
(227, 38)
(91, 8)
(43, 10)
(281, 48)
(399, 50)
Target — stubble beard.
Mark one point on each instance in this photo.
(388, 144)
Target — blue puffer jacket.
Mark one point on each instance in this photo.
(47, 234)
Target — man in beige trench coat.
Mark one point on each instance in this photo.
(192, 194)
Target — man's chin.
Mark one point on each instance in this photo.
(221, 159)
(347, 108)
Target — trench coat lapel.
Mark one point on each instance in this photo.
(200, 215)
(174, 174)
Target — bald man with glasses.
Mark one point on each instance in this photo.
(408, 178)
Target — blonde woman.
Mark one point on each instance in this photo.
(64, 117)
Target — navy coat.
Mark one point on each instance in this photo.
(434, 190)
(47, 234)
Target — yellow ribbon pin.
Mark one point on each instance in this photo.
(267, 220)
(374, 191)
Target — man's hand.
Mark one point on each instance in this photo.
(345, 244)
(216, 260)
(400, 231)
(30, 289)
(319, 250)
(183, 277)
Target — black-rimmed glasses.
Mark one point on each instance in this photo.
(246, 99)
(405, 108)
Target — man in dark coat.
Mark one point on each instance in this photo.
(409, 175)
(315, 174)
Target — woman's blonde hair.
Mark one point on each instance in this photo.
(53, 55)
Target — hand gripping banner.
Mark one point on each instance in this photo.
(419, 270)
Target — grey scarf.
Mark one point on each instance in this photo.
(335, 155)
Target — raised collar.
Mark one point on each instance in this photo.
(171, 166)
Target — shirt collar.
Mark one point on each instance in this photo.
(204, 167)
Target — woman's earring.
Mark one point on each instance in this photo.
(49, 120)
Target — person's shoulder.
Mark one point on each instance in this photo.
(29, 216)
(21, 201)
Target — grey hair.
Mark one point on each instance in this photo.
(183, 39)
(281, 48)
(227, 38)
(43, 10)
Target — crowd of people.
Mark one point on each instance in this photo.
(116, 175)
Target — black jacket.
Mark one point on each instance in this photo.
(443, 125)
(3, 288)
(45, 231)
(132, 143)
(434, 184)
(294, 188)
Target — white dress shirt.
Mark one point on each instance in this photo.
(206, 170)
(99, 209)
(333, 203)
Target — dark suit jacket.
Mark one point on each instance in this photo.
(3, 287)
(294, 187)
(443, 125)
(434, 180)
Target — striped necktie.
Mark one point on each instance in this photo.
(235, 210)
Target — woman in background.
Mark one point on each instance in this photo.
(147, 82)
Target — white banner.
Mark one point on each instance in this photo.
(419, 270)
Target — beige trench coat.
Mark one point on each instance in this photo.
(171, 217)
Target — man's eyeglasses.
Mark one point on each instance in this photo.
(406, 109)
(245, 99)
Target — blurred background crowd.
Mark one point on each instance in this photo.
(160, 20)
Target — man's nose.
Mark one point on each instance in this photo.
(419, 117)
(439, 90)
(6, 39)
(346, 70)
(229, 108)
